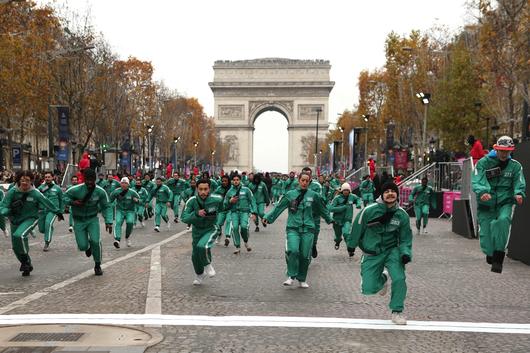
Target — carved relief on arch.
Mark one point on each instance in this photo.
(256, 106)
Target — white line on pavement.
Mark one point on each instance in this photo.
(153, 303)
(50, 289)
(262, 321)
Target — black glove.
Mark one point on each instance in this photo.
(60, 216)
(405, 259)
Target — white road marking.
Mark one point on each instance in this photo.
(53, 288)
(153, 303)
(263, 321)
(11, 293)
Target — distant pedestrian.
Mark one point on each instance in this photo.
(423, 198)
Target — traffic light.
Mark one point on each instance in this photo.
(104, 147)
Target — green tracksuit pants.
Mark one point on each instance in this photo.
(239, 227)
(261, 212)
(367, 199)
(160, 212)
(298, 253)
(19, 238)
(140, 213)
(316, 231)
(494, 228)
(202, 243)
(46, 221)
(128, 217)
(421, 212)
(341, 231)
(2, 223)
(176, 205)
(87, 236)
(222, 218)
(372, 267)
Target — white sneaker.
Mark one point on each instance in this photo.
(6, 233)
(157, 229)
(288, 282)
(143, 224)
(188, 228)
(168, 226)
(303, 285)
(399, 319)
(128, 242)
(424, 230)
(70, 229)
(384, 290)
(209, 270)
(198, 280)
(116, 244)
(217, 241)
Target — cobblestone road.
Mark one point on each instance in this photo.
(448, 280)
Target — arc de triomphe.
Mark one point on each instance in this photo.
(244, 89)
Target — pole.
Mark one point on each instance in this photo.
(149, 150)
(366, 145)
(342, 156)
(50, 139)
(175, 156)
(316, 138)
(424, 135)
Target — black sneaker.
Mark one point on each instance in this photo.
(26, 269)
(351, 252)
(46, 246)
(257, 229)
(314, 252)
(97, 270)
(337, 245)
(489, 259)
(176, 220)
(116, 244)
(227, 241)
(88, 252)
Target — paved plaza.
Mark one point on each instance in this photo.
(449, 285)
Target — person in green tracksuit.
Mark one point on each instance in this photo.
(276, 189)
(300, 227)
(74, 180)
(423, 198)
(240, 201)
(342, 209)
(245, 179)
(177, 186)
(202, 212)
(499, 183)
(163, 200)
(224, 214)
(382, 231)
(126, 200)
(111, 185)
(317, 188)
(140, 206)
(86, 200)
(325, 188)
(261, 195)
(2, 218)
(47, 218)
(289, 184)
(101, 181)
(190, 191)
(148, 185)
(21, 205)
(367, 190)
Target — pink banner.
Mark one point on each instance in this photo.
(400, 160)
(448, 198)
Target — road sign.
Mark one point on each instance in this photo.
(17, 156)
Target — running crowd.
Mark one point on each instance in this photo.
(227, 206)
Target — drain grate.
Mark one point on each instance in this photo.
(46, 337)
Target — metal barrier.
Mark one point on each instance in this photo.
(71, 169)
(467, 192)
(356, 177)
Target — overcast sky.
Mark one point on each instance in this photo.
(182, 39)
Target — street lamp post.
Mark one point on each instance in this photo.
(149, 148)
(342, 161)
(425, 100)
(212, 169)
(318, 111)
(366, 118)
(195, 144)
(175, 159)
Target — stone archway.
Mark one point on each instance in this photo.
(245, 89)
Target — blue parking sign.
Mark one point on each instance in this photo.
(17, 156)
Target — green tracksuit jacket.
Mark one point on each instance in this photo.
(367, 191)
(46, 218)
(125, 210)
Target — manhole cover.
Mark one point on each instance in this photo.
(47, 337)
(29, 350)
